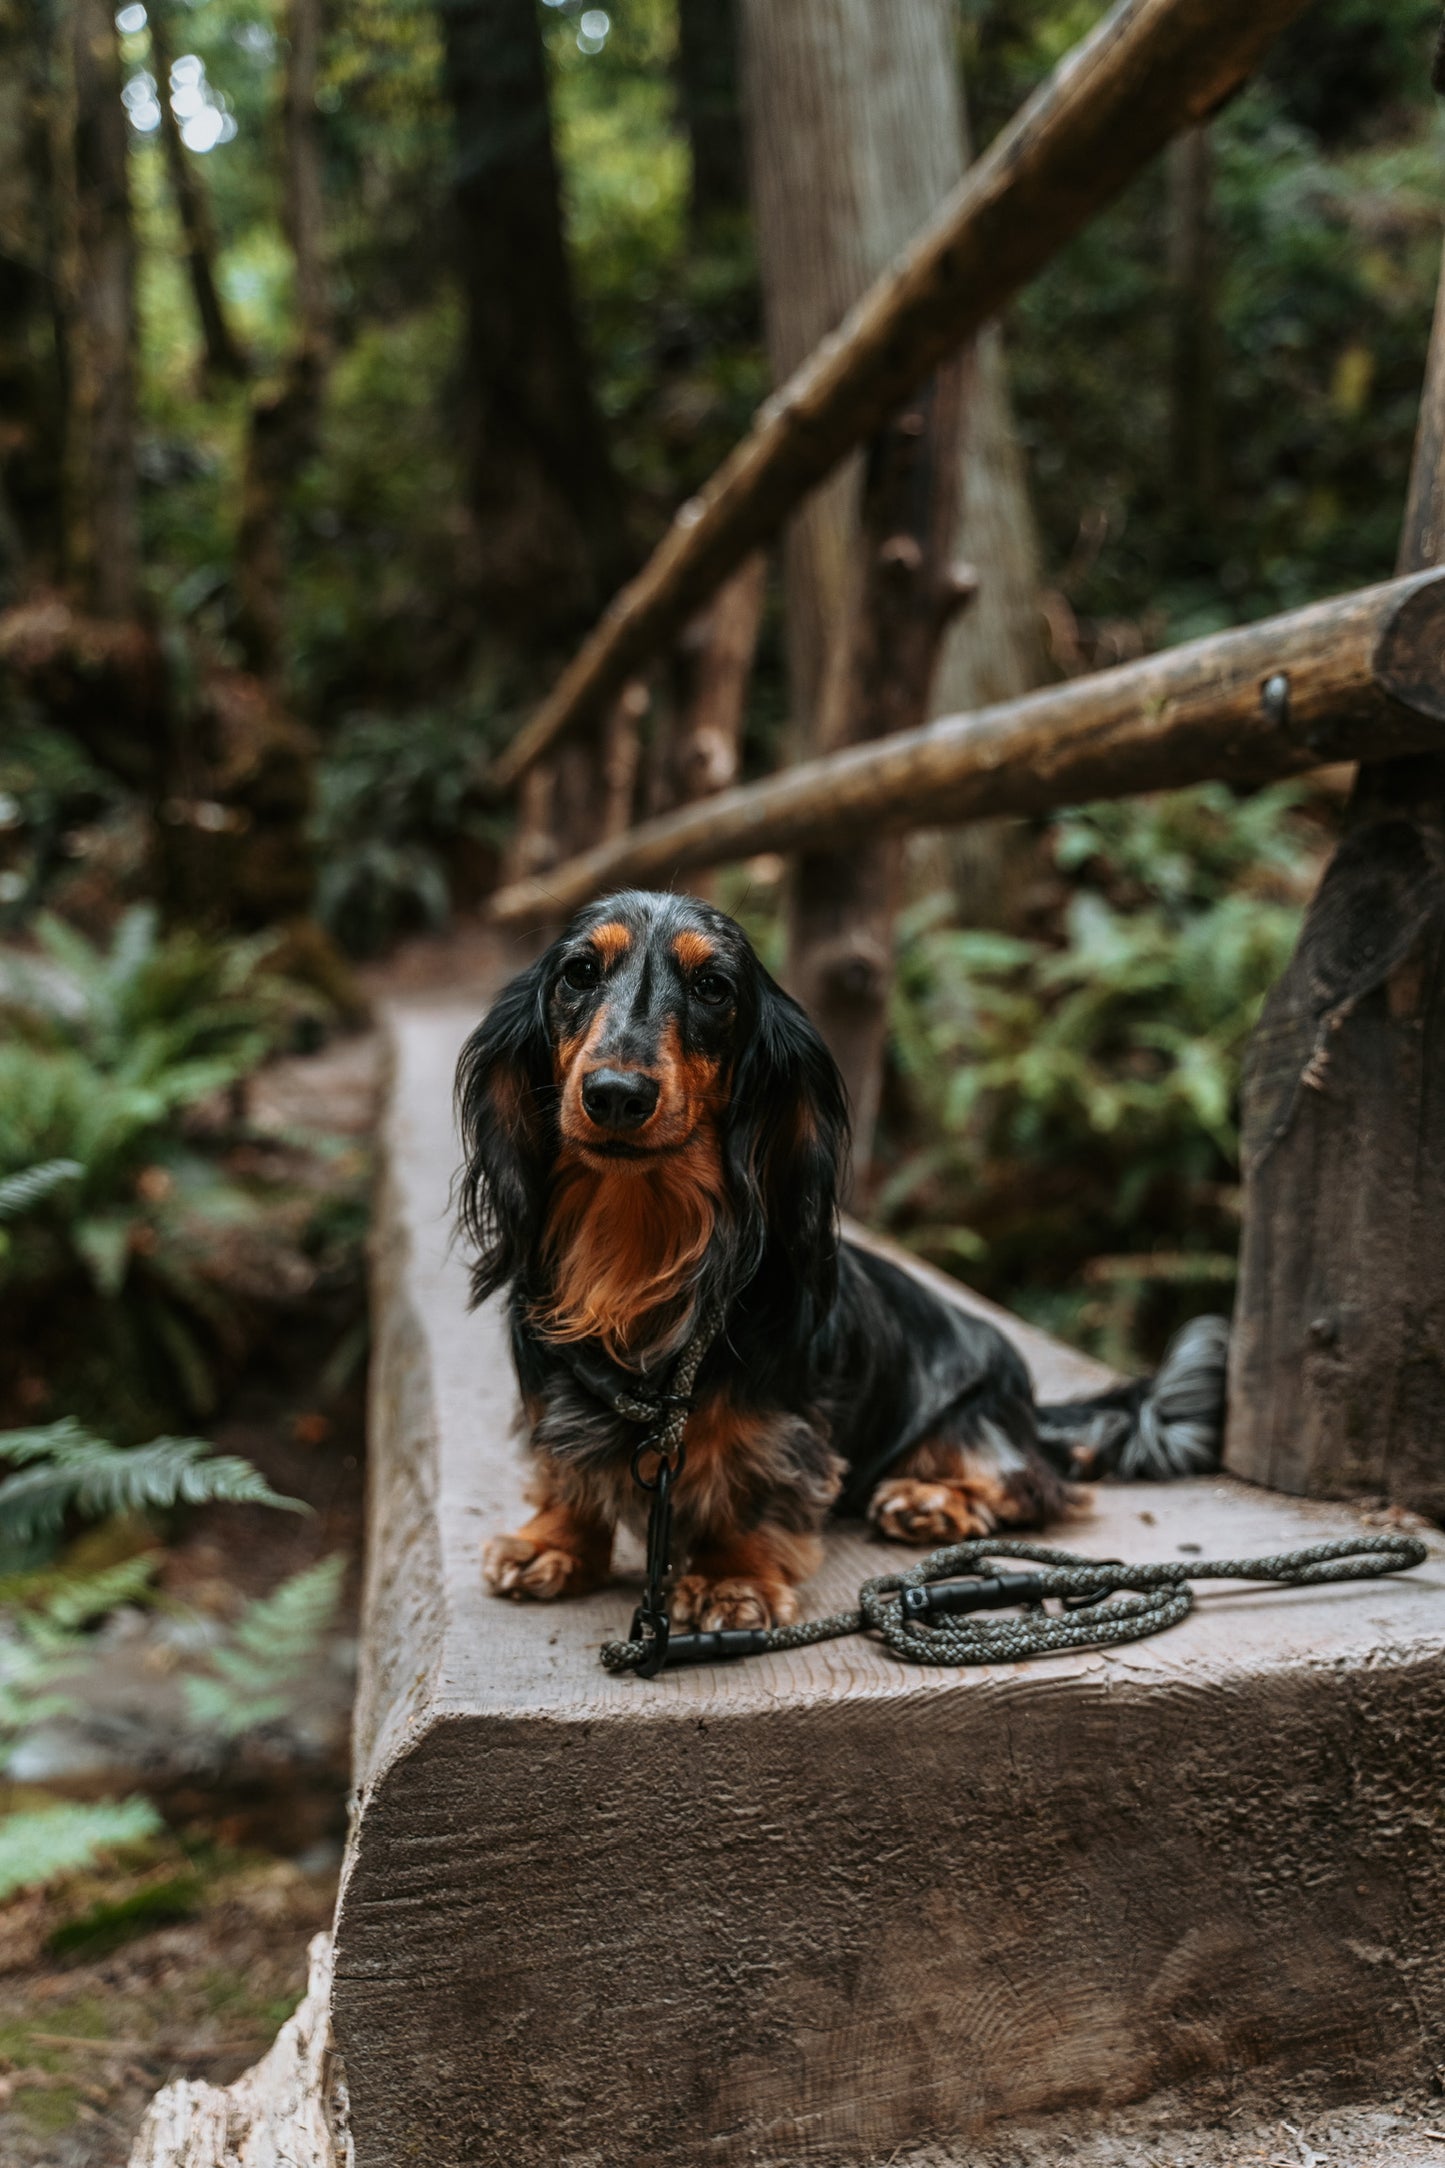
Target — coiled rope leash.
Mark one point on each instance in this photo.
(914, 1612)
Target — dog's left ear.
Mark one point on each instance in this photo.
(788, 1147)
(503, 1089)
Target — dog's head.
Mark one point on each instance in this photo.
(641, 1111)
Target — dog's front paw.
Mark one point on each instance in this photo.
(909, 1511)
(515, 1566)
(709, 1605)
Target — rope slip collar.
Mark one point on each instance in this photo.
(913, 1613)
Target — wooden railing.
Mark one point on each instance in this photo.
(1342, 1293)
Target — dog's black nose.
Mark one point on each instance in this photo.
(619, 1098)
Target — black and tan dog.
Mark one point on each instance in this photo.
(653, 1130)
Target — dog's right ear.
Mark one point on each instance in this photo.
(504, 1095)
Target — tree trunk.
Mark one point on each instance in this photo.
(841, 904)
(102, 515)
(995, 651)
(1193, 447)
(1337, 1365)
(31, 402)
(543, 494)
(858, 134)
(224, 356)
(708, 95)
(286, 414)
(305, 209)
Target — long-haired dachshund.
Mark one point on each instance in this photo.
(653, 1132)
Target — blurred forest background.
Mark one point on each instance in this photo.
(349, 360)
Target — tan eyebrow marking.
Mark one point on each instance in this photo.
(692, 950)
(611, 941)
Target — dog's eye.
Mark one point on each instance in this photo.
(581, 973)
(713, 988)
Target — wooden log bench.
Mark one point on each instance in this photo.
(818, 1907)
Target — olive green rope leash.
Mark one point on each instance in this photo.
(916, 1613)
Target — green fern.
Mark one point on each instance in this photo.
(54, 1599)
(32, 1185)
(46, 1613)
(152, 1000)
(64, 1467)
(256, 1672)
(113, 1175)
(43, 1844)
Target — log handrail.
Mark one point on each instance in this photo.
(1150, 68)
(1361, 676)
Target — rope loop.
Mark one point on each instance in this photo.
(1107, 1603)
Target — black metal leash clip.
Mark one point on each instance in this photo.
(932, 1600)
(650, 1622)
(979, 1592)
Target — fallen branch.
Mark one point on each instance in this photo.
(1361, 677)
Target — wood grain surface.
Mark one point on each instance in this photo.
(821, 1906)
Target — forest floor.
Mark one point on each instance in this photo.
(184, 1964)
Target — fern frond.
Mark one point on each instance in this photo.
(66, 1601)
(41, 1844)
(22, 1192)
(258, 1670)
(64, 1466)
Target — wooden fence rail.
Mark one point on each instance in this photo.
(1151, 68)
(1359, 677)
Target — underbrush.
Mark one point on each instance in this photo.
(147, 1221)
(1061, 1124)
(159, 1252)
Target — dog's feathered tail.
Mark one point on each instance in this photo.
(1170, 1424)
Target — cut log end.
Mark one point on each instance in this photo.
(291, 2107)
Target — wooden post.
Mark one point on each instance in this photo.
(841, 903)
(583, 791)
(1337, 1372)
(1363, 674)
(697, 750)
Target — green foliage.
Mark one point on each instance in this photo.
(44, 1844)
(1326, 248)
(47, 1612)
(112, 1921)
(22, 1192)
(181, 1011)
(48, 789)
(398, 798)
(113, 1064)
(254, 1675)
(1078, 1098)
(63, 1468)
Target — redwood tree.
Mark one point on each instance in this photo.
(543, 494)
(856, 134)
